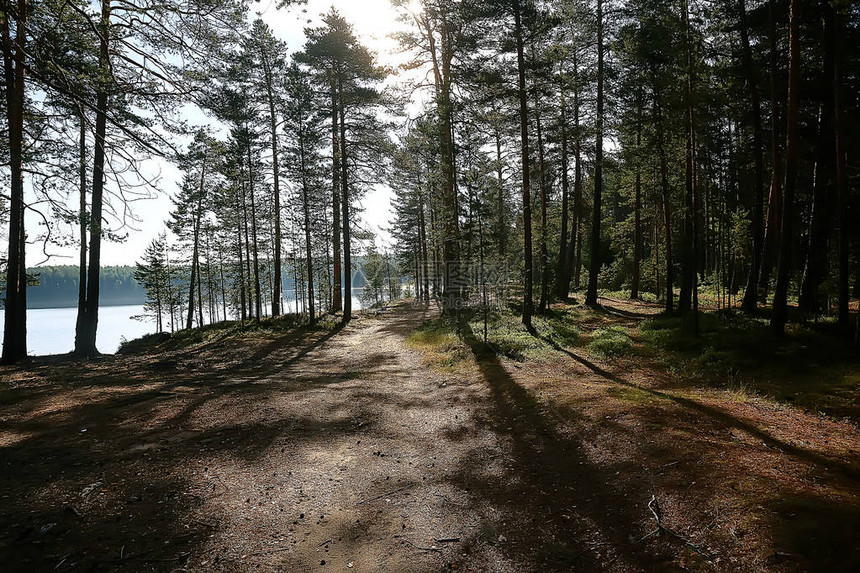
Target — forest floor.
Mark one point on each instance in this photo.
(395, 445)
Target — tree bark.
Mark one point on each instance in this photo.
(195, 251)
(336, 300)
(344, 173)
(815, 269)
(750, 293)
(594, 270)
(528, 301)
(841, 176)
(774, 205)
(14, 62)
(85, 337)
(637, 205)
(563, 275)
(780, 295)
(307, 216)
(276, 192)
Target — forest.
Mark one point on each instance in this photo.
(621, 271)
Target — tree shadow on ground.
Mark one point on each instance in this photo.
(113, 478)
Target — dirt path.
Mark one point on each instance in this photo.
(347, 450)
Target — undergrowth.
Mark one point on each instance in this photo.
(807, 367)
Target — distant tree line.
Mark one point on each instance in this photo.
(57, 287)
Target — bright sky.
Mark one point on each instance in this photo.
(373, 20)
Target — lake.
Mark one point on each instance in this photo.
(52, 330)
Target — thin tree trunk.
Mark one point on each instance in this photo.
(667, 204)
(257, 294)
(757, 230)
(563, 278)
(780, 295)
(307, 214)
(344, 172)
(637, 205)
(544, 257)
(841, 176)
(692, 270)
(195, 251)
(82, 219)
(85, 338)
(276, 192)
(336, 300)
(774, 205)
(594, 270)
(822, 189)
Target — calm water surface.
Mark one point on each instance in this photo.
(52, 330)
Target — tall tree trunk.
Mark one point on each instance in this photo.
(822, 189)
(563, 276)
(574, 260)
(344, 174)
(257, 294)
(544, 257)
(307, 214)
(336, 300)
(667, 203)
(425, 263)
(780, 295)
(276, 192)
(453, 288)
(528, 302)
(248, 275)
(841, 173)
(14, 61)
(195, 251)
(594, 270)
(85, 337)
(750, 293)
(774, 204)
(82, 218)
(501, 229)
(637, 204)
(692, 266)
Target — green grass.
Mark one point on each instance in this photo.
(506, 334)
(808, 367)
(610, 342)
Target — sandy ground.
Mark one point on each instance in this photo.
(351, 450)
